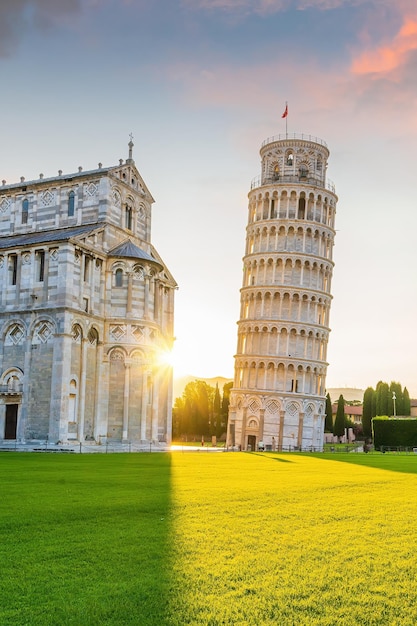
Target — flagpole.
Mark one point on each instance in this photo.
(286, 121)
(285, 114)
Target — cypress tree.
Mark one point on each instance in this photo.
(383, 398)
(216, 425)
(406, 401)
(328, 424)
(339, 423)
(367, 411)
(225, 405)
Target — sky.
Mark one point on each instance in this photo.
(201, 84)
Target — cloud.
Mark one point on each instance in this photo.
(387, 58)
(17, 17)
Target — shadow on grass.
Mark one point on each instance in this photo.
(392, 462)
(272, 457)
(86, 539)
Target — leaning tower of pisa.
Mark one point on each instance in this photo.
(278, 395)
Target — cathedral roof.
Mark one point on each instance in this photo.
(129, 250)
(44, 236)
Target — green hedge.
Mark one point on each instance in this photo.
(391, 432)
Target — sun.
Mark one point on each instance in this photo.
(166, 357)
(174, 359)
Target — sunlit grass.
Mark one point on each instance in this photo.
(208, 539)
(287, 539)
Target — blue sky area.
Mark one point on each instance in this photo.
(200, 84)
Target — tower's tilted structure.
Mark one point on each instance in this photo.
(278, 396)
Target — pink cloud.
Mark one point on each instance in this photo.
(385, 59)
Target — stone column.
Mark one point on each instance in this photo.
(103, 397)
(98, 430)
(45, 276)
(281, 429)
(300, 429)
(23, 412)
(126, 396)
(83, 382)
(261, 423)
(143, 419)
(243, 433)
(146, 311)
(156, 304)
(155, 408)
(61, 373)
(129, 293)
(3, 420)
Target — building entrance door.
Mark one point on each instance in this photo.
(11, 421)
(252, 443)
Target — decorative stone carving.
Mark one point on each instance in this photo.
(138, 333)
(117, 331)
(5, 204)
(46, 197)
(43, 332)
(15, 335)
(91, 189)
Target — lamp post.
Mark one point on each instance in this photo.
(394, 397)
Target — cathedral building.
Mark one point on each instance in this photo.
(86, 310)
(278, 395)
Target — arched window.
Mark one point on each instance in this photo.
(303, 171)
(71, 204)
(301, 208)
(118, 277)
(289, 158)
(128, 217)
(25, 211)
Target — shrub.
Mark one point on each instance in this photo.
(394, 432)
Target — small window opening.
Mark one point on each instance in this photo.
(71, 204)
(25, 211)
(119, 278)
(86, 268)
(128, 217)
(301, 208)
(303, 171)
(12, 269)
(40, 265)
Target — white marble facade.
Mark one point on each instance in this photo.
(86, 310)
(278, 396)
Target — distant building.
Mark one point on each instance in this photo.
(278, 395)
(352, 413)
(86, 310)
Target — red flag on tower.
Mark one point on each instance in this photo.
(285, 112)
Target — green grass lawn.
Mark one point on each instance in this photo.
(191, 538)
(85, 538)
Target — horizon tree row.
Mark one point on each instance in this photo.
(201, 411)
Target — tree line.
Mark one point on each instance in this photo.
(386, 399)
(201, 411)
